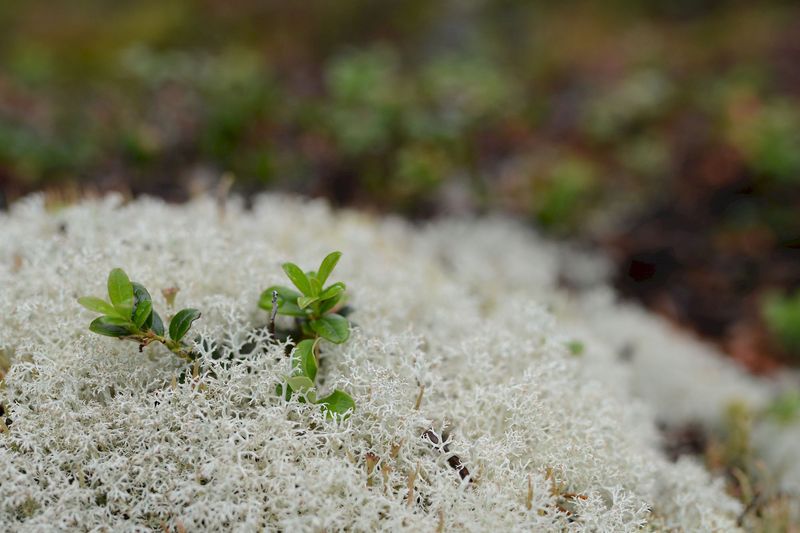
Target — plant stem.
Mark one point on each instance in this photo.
(175, 347)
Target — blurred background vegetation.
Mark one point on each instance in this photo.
(665, 132)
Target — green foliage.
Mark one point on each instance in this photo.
(564, 196)
(313, 308)
(120, 292)
(129, 314)
(315, 305)
(576, 348)
(181, 323)
(304, 358)
(333, 327)
(769, 140)
(785, 408)
(338, 402)
(782, 315)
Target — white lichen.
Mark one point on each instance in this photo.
(103, 438)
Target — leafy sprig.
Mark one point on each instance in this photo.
(129, 314)
(315, 305)
(314, 308)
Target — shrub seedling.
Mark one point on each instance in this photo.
(129, 314)
(314, 306)
(314, 309)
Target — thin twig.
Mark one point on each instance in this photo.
(529, 499)
(419, 397)
(412, 477)
(273, 314)
(754, 502)
(454, 461)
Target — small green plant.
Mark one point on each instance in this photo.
(314, 310)
(129, 314)
(314, 307)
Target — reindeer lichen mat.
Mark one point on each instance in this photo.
(448, 386)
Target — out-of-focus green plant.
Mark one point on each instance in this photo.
(468, 91)
(782, 316)
(640, 97)
(564, 194)
(366, 94)
(768, 133)
(785, 408)
(419, 169)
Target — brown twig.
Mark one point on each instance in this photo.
(412, 478)
(529, 499)
(273, 314)
(419, 397)
(454, 461)
(754, 502)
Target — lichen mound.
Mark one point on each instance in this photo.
(105, 438)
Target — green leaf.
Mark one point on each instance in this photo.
(142, 312)
(300, 383)
(298, 277)
(331, 297)
(338, 402)
(120, 292)
(327, 266)
(111, 326)
(330, 303)
(143, 304)
(96, 304)
(156, 324)
(140, 292)
(316, 286)
(181, 323)
(290, 309)
(333, 327)
(304, 358)
(305, 301)
(334, 290)
(287, 301)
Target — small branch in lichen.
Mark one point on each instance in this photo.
(419, 397)
(453, 460)
(273, 313)
(412, 478)
(176, 347)
(529, 499)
